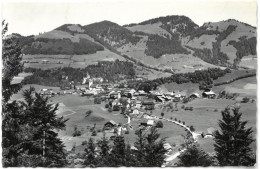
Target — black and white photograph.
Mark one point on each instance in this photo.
(128, 83)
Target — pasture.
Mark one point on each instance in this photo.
(74, 108)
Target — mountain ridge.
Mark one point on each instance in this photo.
(172, 36)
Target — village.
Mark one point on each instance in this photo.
(140, 110)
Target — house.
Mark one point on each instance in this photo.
(150, 122)
(141, 93)
(135, 111)
(194, 95)
(149, 105)
(138, 104)
(209, 94)
(110, 124)
(45, 61)
(159, 99)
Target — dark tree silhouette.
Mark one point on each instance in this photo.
(232, 142)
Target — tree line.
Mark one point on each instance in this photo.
(109, 71)
(198, 76)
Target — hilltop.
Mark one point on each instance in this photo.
(171, 43)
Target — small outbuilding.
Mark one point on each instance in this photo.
(110, 124)
(194, 95)
(150, 122)
(209, 94)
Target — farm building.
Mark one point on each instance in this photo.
(209, 94)
(149, 105)
(150, 122)
(135, 111)
(45, 61)
(194, 95)
(110, 124)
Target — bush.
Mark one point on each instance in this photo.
(76, 133)
(99, 130)
(216, 110)
(192, 128)
(162, 114)
(88, 113)
(185, 100)
(179, 121)
(84, 143)
(116, 108)
(97, 100)
(183, 123)
(94, 133)
(245, 100)
(159, 124)
(107, 106)
(182, 106)
(126, 132)
(175, 119)
(110, 109)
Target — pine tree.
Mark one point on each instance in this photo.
(12, 66)
(140, 144)
(91, 159)
(154, 149)
(232, 142)
(103, 145)
(194, 156)
(41, 115)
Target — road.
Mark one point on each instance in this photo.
(175, 155)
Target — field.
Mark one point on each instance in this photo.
(234, 74)
(150, 29)
(75, 61)
(75, 107)
(180, 63)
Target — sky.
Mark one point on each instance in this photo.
(30, 18)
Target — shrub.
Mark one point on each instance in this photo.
(171, 118)
(182, 106)
(216, 110)
(76, 133)
(159, 124)
(116, 108)
(175, 119)
(162, 114)
(88, 113)
(183, 123)
(84, 143)
(126, 132)
(107, 106)
(97, 100)
(99, 130)
(245, 100)
(192, 128)
(179, 121)
(94, 133)
(110, 109)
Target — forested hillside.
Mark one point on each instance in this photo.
(109, 71)
(111, 33)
